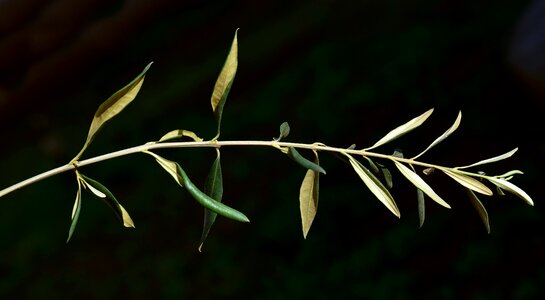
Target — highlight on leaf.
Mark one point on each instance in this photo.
(75, 211)
(444, 135)
(214, 189)
(298, 158)
(178, 134)
(483, 214)
(113, 106)
(403, 129)
(491, 160)
(308, 198)
(469, 182)
(420, 183)
(510, 187)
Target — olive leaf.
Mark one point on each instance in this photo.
(111, 107)
(284, 131)
(387, 176)
(421, 207)
(444, 135)
(75, 211)
(508, 186)
(420, 183)
(469, 182)
(374, 185)
(214, 189)
(491, 160)
(403, 129)
(480, 209)
(308, 198)
(169, 166)
(224, 82)
(103, 193)
(307, 164)
(179, 133)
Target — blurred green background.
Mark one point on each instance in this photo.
(340, 72)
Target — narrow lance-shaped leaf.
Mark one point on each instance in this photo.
(491, 160)
(420, 183)
(224, 82)
(374, 185)
(109, 199)
(480, 209)
(179, 133)
(169, 166)
(508, 186)
(75, 211)
(111, 107)
(469, 182)
(444, 135)
(308, 198)
(403, 129)
(214, 189)
(421, 207)
(307, 164)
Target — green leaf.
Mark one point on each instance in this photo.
(214, 189)
(169, 166)
(75, 211)
(420, 183)
(308, 198)
(111, 107)
(178, 134)
(444, 135)
(387, 176)
(374, 185)
(284, 131)
(307, 164)
(102, 192)
(508, 186)
(372, 164)
(421, 207)
(469, 182)
(491, 160)
(403, 129)
(480, 209)
(224, 82)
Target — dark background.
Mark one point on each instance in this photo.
(340, 73)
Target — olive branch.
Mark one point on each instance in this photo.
(375, 176)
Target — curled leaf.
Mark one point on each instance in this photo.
(308, 198)
(374, 185)
(508, 186)
(480, 209)
(214, 189)
(111, 107)
(180, 133)
(469, 182)
(491, 160)
(403, 129)
(420, 183)
(444, 135)
(75, 212)
(294, 154)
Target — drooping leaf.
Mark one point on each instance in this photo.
(480, 209)
(508, 186)
(111, 107)
(109, 199)
(374, 185)
(75, 212)
(372, 164)
(444, 135)
(308, 198)
(491, 160)
(421, 207)
(214, 189)
(420, 183)
(224, 82)
(387, 176)
(284, 131)
(180, 133)
(469, 182)
(294, 154)
(169, 166)
(403, 129)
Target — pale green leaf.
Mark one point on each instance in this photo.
(109, 199)
(491, 160)
(403, 129)
(308, 199)
(180, 133)
(421, 207)
(508, 186)
(75, 212)
(480, 209)
(111, 107)
(420, 183)
(284, 131)
(224, 82)
(469, 182)
(214, 189)
(374, 185)
(444, 135)
(307, 164)
(510, 174)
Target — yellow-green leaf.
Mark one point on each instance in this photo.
(508, 186)
(224, 82)
(420, 183)
(169, 166)
(469, 182)
(480, 209)
(111, 107)
(75, 212)
(374, 185)
(491, 160)
(180, 133)
(308, 199)
(214, 189)
(403, 129)
(444, 135)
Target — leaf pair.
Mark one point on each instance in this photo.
(103, 193)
